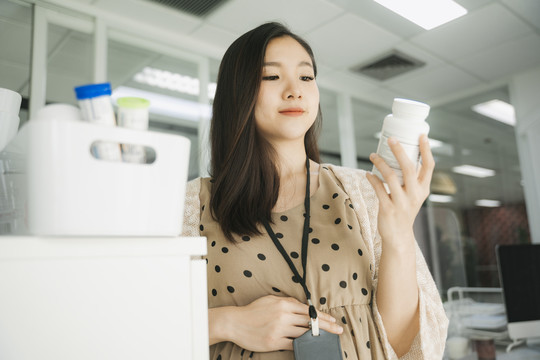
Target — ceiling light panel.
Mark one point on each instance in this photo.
(474, 171)
(497, 110)
(426, 13)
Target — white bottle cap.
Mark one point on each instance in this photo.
(410, 109)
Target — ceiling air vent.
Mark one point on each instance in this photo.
(388, 66)
(198, 8)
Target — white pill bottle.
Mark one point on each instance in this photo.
(406, 123)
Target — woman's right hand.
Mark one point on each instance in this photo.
(269, 323)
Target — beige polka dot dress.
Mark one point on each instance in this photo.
(338, 270)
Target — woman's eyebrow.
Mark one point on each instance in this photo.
(278, 64)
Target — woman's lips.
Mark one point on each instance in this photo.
(292, 112)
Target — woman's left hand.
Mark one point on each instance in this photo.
(398, 209)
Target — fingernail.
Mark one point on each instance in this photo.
(392, 140)
(372, 156)
(340, 329)
(333, 319)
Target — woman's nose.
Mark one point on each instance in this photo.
(292, 91)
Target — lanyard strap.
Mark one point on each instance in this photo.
(305, 233)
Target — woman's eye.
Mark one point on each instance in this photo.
(271, 77)
(307, 78)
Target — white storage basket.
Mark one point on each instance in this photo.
(71, 193)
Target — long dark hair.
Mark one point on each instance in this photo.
(244, 175)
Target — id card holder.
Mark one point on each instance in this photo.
(326, 346)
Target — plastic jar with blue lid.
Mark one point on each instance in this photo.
(96, 108)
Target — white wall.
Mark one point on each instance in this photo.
(525, 96)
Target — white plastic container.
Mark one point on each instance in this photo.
(406, 124)
(96, 107)
(71, 193)
(133, 114)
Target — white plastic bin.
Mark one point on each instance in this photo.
(71, 193)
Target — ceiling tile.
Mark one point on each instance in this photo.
(151, 14)
(213, 35)
(350, 40)
(493, 63)
(378, 14)
(239, 16)
(528, 9)
(476, 31)
(343, 81)
(430, 85)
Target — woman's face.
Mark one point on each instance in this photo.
(288, 99)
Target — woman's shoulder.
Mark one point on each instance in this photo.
(350, 178)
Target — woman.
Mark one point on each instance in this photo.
(365, 274)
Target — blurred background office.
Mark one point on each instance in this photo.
(486, 186)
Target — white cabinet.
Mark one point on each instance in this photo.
(103, 298)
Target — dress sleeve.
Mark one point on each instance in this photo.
(430, 340)
(192, 213)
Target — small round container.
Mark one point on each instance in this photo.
(95, 103)
(133, 112)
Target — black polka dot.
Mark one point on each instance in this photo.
(343, 284)
(354, 276)
(324, 167)
(315, 240)
(351, 206)
(343, 320)
(295, 279)
(346, 356)
(352, 333)
(325, 267)
(322, 300)
(360, 319)
(224, 250)
(335, 195)
(360, 252)
(261, 257)
(310, 230)
(242, 352)
(206, 261)
(326, 207)
(230, 289)
(349, 226)
(201, 227)
(279, 235)
(213, 181)
(294, 255)
(214, 292)
(283, 218)
(364, 291)
(202, 209)
(335, 247)
(276, 289)
(247, 273)
(219, 357)
(245, 238)
(213, 244)
(367, 344)
(337, 221)
(217, 268)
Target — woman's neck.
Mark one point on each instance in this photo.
(291, 161)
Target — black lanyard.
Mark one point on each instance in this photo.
(305, 233)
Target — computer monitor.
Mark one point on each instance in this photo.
(519, 272)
